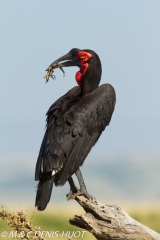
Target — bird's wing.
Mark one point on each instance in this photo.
(51, 153)
(74, 125)
(88, 118)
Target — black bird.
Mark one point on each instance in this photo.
(74, 124)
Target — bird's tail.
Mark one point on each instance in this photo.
(44, 191)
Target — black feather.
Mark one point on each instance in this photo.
(44, 193)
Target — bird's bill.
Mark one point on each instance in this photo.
(71, 61)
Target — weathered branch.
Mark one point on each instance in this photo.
(110, 222)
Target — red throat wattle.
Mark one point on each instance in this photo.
(79, 74)
(83, 57)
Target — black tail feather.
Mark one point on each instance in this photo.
(44, 191)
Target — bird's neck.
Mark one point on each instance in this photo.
(87, 88)
(89, 83)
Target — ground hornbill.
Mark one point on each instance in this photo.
(74, 124)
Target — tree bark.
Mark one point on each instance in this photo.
(110, 222)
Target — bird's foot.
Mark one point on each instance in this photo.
(73, 195)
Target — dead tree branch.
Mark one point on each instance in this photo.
(110, 222)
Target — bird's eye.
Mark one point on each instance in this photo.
(82, 56)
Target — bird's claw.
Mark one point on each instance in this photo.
(73, 195)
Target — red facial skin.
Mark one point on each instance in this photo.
(83, 57)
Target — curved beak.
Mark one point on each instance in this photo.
(71, 61)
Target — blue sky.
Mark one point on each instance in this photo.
(35, 33)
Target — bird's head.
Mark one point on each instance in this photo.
(89, 74)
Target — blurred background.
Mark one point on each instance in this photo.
(123, 168)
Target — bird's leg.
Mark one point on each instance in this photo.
(81, 181)
(83, 190)
(74, 191)
(73, 188)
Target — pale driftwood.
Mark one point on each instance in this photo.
(110, 222)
